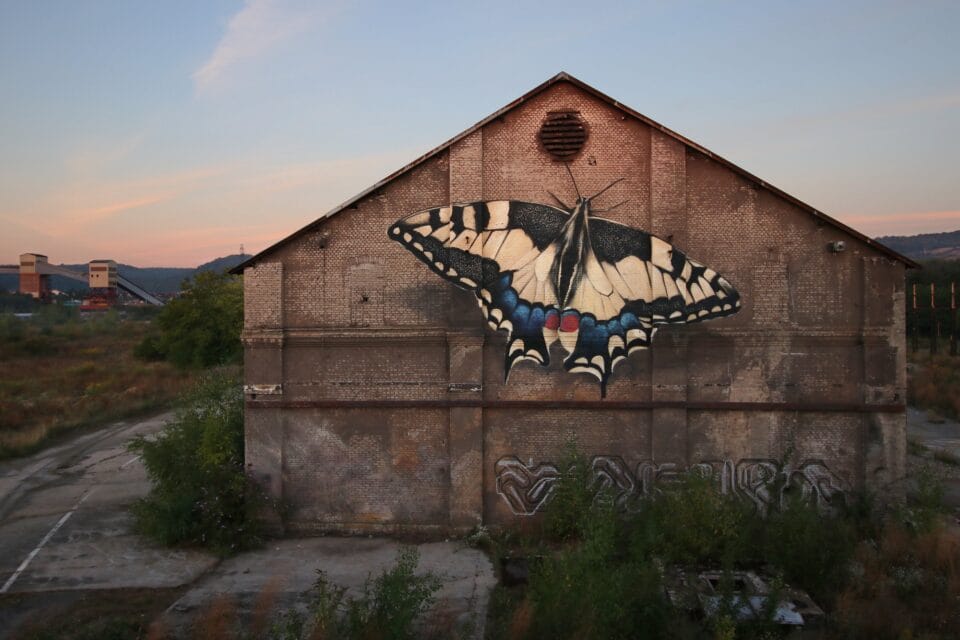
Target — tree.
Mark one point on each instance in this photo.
(201, 327)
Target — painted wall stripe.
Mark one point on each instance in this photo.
(46, 539)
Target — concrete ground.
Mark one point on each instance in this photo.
(936, 436)
(65, 528)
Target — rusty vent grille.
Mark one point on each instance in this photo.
(563, 134)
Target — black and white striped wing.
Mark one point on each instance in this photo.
(501, 251)
(633, 282)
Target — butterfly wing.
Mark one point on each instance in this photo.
(502, 252)
(634, 282)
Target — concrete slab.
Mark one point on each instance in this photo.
(100, 551)
(937, 435)
(290, 567)
(66, 528)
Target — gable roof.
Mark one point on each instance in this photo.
(566, 77)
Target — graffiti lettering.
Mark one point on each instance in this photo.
(765, 483)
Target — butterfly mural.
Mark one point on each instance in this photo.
(545, 274)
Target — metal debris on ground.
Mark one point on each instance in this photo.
(703, 593)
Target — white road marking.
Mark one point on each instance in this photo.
(46, 539)
(129, 462)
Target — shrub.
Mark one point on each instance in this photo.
(200, 493)
(693, 523)
(568, 513)
(387, 608)
(201, 327)
(595, 590)
(813, 550)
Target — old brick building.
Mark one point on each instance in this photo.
(376, 393)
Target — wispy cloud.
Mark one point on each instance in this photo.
(79, 208)
(256, 29)
(86, 217)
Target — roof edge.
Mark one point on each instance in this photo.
(563, 76)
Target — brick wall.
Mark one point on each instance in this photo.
(394, 412)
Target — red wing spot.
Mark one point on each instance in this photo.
(552, 321)
(570, 322)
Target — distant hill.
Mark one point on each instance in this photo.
(160, 280)
(224, 264)
(926, 246)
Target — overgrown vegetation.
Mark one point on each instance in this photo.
(934, 383)
(598, 570)
(387, 608)
(200, 494)
(201, 327)
(93, 614)
(60, 370)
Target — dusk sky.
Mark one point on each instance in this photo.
(168, 133)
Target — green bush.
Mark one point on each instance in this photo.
(595, 589)
(200, 493)
(201, 327)
(811, 549)
(693, 523)
(387, 608)
(569, 510)
(18, 303)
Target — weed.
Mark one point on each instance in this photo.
(387, 608)
(909, 586)
(924, 508)
(568, 513)
(594, 590)
(693, 523)
(812, 549)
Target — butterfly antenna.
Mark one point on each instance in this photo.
(575, 187)
(611, 208)
(597, 195)
(559, 201)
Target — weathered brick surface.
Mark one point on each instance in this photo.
(350, 468)
(344, 315)
(263, 296)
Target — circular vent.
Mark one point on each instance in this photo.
(563, 134)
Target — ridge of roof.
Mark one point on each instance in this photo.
(563, 76)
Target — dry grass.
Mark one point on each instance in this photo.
(218, 621)
(910, 587)
(97, 614)
(264, 606)
(58, 376)
(934, 383)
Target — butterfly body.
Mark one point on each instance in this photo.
(549, 275)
